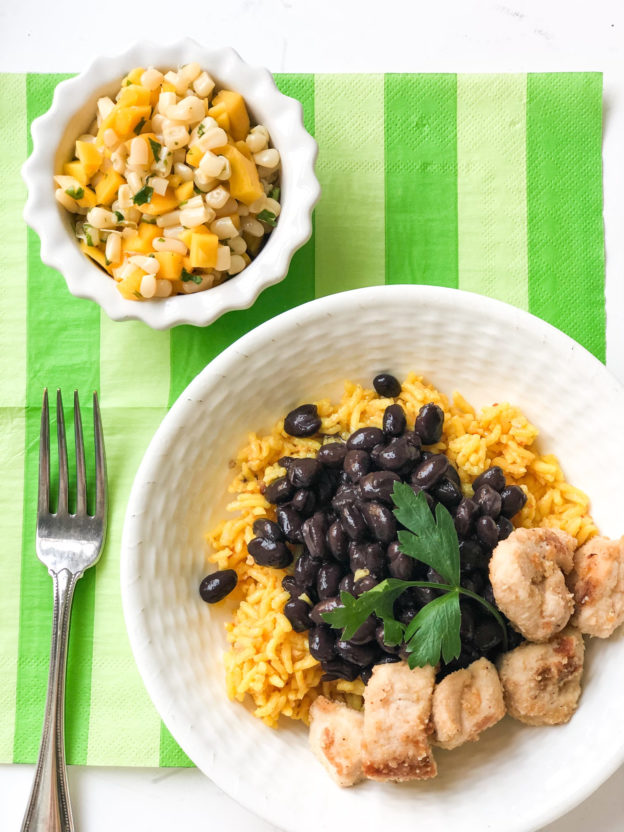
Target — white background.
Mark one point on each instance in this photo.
(327, 36)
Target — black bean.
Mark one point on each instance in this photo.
(357, 464)
(297, 611)
(304, 472)
(290, 523)
(321, 642)
(514, 639)
(328, 605)
(395, 455)
(488, 593)
(386, 658)
(302, 421)
(364, 585)
(394, 420)
(488, 500)
(430, 471)
(407, 614)
(493, 477)
(467, 626)
(513, 498)
(379, 485)
(505, 527)
(387, 648)
(345, 494)
(451, 474)
(400, 565)
(286, 461)
(465, 515)
(488, 635)
(366, 673)
(279, 491)
(267, 552)
(387, 385)
(424, 594)
(365, 439)
(353, 522)
(338, 541)
(474, 581)
(328, 580)
(447, 492)
(314, 530)
(487, 531)
(306, 569)
(216, 586)
(434, 577)
(304, 501)
(472, 556)
(357, 556)
(359, 654)
(263, 527)
(332, 454)
(374, 559)
(325, 486)
(289, 583)
(380, 520)
(429, 423)
(365, 632)
(413, 438)
(347, 584)
(339, 669)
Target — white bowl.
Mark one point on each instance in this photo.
(517, 778)
(73, 108)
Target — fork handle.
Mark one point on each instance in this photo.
(49, 809)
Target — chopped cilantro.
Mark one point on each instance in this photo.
(149, 220)
(75, 193)
(268, 217)
(274, 193)
(197, 190)
(139, 126)
(138, 295)
(127, 83)
(143, 196)
(87, 228)
(183, 203)
(156, 148)
(201, 129)
(186, 276)
(120, 216)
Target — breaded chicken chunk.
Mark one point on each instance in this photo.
(597, 582)
(397, 710)
(542, 682)
(336, 739)
(465, 703)
(527, 572)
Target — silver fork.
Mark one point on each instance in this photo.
(67, 544)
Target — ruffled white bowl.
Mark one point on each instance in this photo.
(73, 109)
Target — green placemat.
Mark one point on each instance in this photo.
(491, 183)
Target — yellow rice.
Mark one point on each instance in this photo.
(269, 662)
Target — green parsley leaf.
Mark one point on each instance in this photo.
(274, 193)
(435, 630)
(432, 541)
(156, 148)
(75, 193)
(186, 276)
(149, 220)
(120, 216)
(139, 127)
(201, 129)
(143, 196)
(268, 217)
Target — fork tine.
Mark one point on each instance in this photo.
(81, 480)
(100, 462)
(43, 504)
(62, 455)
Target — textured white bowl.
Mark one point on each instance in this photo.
(73, 109)
(517, 778)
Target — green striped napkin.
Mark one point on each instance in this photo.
(491, 183)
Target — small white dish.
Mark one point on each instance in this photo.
(73, 108)
(516, 778)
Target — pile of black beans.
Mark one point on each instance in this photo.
(335, 522)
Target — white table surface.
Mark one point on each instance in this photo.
(328, 36)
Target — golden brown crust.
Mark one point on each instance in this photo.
(336, 739)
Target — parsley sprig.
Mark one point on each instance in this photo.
(434, 631)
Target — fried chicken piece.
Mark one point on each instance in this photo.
(597, 582)
(397, 711)
(542, 682)
(465, 703)
(527, 572)
(336, 739)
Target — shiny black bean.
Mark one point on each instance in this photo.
(314, 530)
(451, 474)
(364, 585)
(488, 501)
(216, 586)
(365, 439)
(267, 552)
(328, 605)
(468, 621)
(263, 527)
(332, 454)
(387, 385)
(285, 461)
(325, 486)
(429, 423)
(430, 471)
(513, 498)
(487, 531)
(505, 527)
(328, 580)
(345, 494)
(424, 594)
(374, 558)
(413, 438)
(434, 576)
(289, 583)
(359, 654)
(339, 669)
(472, 556)
(378, 485)
(306, 569)
(353, 522)
(400, 565)
(387, 648)
(366, 673)
(380, 520)
(465, 515)
(303, 473)
(321, 642)
(290, 523)
(394, 420)
(347, 584)
(357, 556)
(447, 492)
(279, 491)
(395, 455)
(406, 614)
(297, 611)
(304, 501)
(302, 421)
(474, 582)
(357, 464)
(387, 658)
(488, 635)
(338, 541)
(493, 477)
(366, 632)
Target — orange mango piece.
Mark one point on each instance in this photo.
(234, 107)
(78, 171)
(106, 189)
(90, 157)
(160, 204)
(170, 265)
(95, 254)
(133, 96)
(141, 242)
(203, 254)
(194, 156)
(244, 183)
(184, 191)
(130, 286)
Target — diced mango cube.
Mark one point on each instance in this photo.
(167, 87)
(90, 157)
(130, 286)
(77, 170)
(88, 199)
(106, 189)
(194, 156)
(186, 235)
(234, 106)
(134, 76)
(133, 96)
(244, 182)
(95, 254)
(160, 204)
(203, 254)
(244, 149)
(170, 265)
(184, 191)
(220, 115)
(141, 242)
